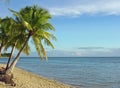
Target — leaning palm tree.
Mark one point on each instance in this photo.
(15, 38)
(37, 27)
(4, 38)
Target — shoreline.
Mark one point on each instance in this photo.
(26, 79)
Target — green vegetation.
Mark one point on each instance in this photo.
(5, 55)
(16, 32)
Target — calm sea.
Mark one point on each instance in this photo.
(80, 72)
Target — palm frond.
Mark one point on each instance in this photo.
(36, 43)
(26, 50)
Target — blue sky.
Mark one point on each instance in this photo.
(83, 27)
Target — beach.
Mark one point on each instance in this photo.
(25, 79)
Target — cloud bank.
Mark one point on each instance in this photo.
(86, 52)
(91, 7)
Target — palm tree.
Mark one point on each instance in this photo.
(36, 24)
(9, 23)
(3, 35)
(15, 39)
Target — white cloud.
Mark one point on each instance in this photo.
(91, 7)
(84, 52)
(63, 53)
(100, 52)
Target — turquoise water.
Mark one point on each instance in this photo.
(80, 72)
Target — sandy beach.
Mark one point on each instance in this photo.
(25, 79)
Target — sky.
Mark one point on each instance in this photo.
(84, 28)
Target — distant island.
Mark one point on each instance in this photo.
(5, 55)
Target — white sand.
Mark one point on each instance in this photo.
(24, 79)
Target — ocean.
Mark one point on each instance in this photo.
(83, 72)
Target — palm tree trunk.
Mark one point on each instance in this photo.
(11, 68)
(1, 48)
(11, 54)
